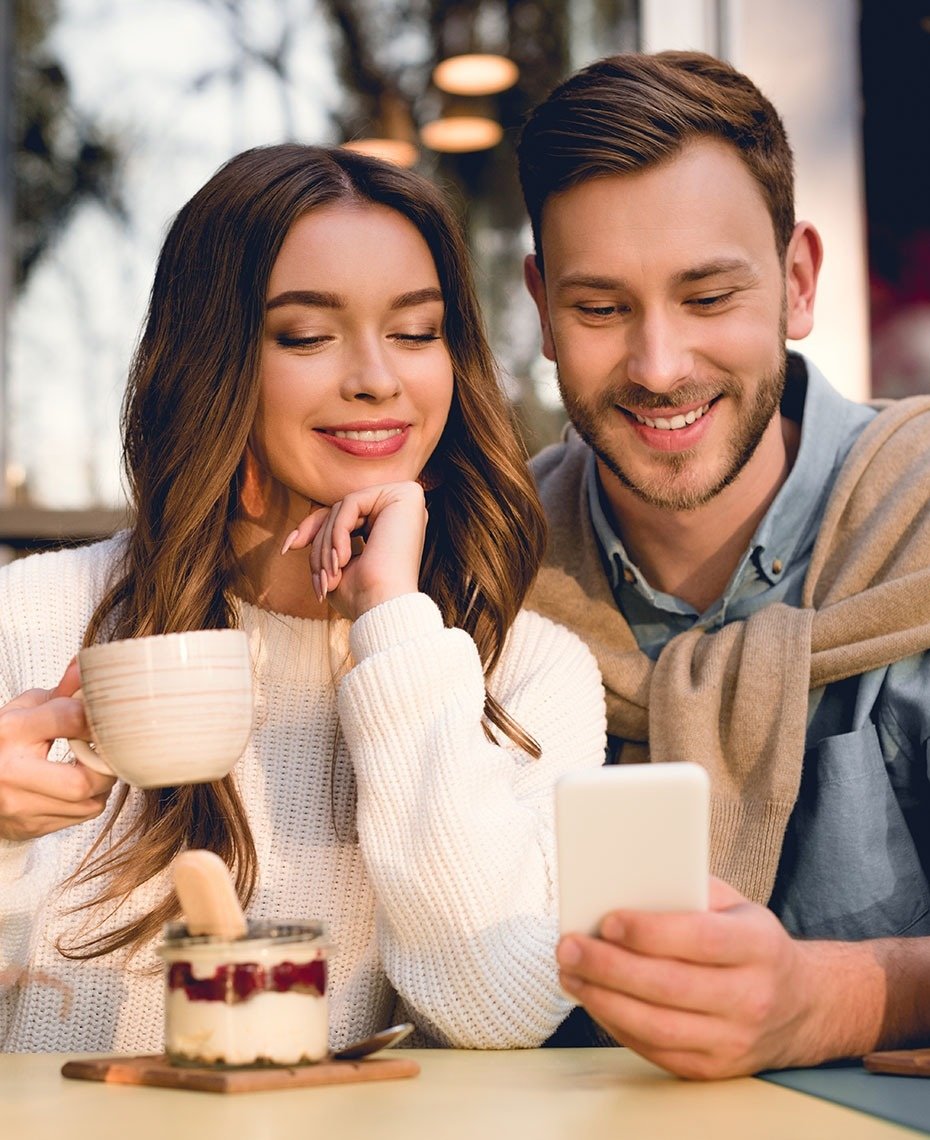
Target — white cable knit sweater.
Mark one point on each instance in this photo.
(438, 886)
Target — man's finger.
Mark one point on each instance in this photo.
(652, 1027)
(722, 895)
(713, 938)
(658, 981)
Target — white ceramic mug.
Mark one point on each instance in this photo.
(171, 709)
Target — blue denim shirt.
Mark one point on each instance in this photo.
(856, 855)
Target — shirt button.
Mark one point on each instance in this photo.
(776, 566)
(628, 575)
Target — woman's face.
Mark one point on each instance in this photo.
(356, 380)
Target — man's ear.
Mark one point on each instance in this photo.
(537, 289)
(803, 259)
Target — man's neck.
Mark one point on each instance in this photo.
(692, 554)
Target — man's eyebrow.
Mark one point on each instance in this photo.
(308, 297)
(417, 297)
(715, 269)
(590, 281)
(598, 283)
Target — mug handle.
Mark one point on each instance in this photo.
(83, 751)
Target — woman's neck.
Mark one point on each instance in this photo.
(270, 579)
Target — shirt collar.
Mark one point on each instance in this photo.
(827, 422)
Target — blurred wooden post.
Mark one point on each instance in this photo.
(6, 228)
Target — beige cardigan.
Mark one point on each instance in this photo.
(737, 700)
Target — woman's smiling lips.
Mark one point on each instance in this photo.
(671, 429)
(368, 439)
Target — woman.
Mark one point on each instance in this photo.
(311, 375)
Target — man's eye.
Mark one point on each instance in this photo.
(598, 310)
(710, 302)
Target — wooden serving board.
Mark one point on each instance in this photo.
(158, 1070)
(904, 1062)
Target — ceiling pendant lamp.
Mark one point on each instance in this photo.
(457, 133)
(391, 135)
(475, 73)
(397, 151)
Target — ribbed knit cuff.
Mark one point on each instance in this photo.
(746, 838)
(401, 619)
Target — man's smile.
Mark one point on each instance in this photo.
(674, 422)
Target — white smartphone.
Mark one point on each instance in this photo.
(631, 836)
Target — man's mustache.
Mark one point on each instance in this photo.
(686, 395)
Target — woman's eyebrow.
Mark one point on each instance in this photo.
(308, 297)
(417, 297)
(320, 300)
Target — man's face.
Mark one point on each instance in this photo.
(664, 307)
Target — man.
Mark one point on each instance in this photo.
(747, 553)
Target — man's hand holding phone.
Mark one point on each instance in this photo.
(706, 986)
(716, 994)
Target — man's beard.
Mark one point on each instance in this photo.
(663, 488)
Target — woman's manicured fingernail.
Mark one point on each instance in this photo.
(335, 561)
(324, 585)
(315, 578)
(289, 541)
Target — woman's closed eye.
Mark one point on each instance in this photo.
(411, 338)
(292, 340)
(317, 340)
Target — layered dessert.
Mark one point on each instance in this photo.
(256, 1000)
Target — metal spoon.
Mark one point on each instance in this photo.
(381, 1040)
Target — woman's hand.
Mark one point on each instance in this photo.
(366, 548)
(37, 796)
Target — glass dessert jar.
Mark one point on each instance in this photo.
(256, 1000)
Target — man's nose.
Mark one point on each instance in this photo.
(658, 353)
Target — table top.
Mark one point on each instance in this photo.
(546, 1094)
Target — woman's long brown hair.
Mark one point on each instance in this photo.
(190, 403)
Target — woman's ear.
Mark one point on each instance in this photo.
(252, 485)
(803, 259)
(536, 285)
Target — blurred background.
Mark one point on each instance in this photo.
(118, 110)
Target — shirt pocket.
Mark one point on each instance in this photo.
(849, 867)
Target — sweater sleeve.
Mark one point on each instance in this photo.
(457, 832)
(45, 603)
(14, 855)
(22, 874)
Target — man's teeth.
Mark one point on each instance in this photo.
(370, 436)
(675, 422)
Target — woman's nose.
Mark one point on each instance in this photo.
(371, 375)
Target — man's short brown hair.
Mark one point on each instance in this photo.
(633, 111)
